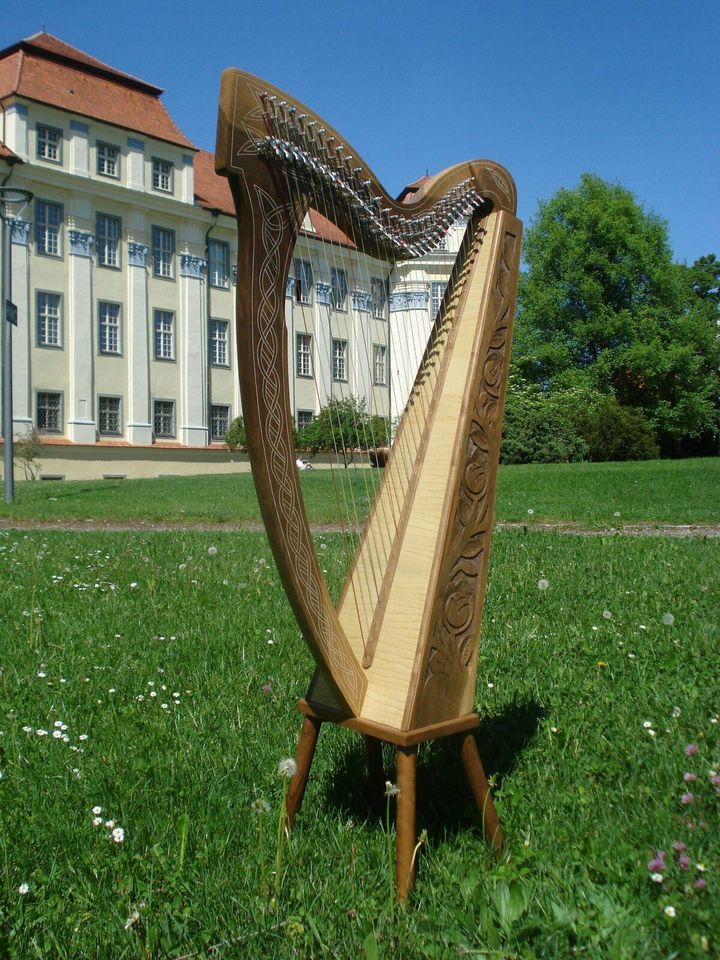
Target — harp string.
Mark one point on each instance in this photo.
(325, 327)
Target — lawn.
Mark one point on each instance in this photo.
(590, 494)
(154, 675)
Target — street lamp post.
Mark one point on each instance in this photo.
(8, 318)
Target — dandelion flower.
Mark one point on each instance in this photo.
(543, 584)
(287, 768)
(118, 834)
(23, 889)
(670, 911)
(668, 619)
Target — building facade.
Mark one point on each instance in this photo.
(124, 357)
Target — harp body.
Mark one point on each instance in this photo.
(399, 651)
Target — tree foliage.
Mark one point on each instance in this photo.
(343, 427)
(602, 306)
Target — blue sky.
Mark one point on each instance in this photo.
(549, 89)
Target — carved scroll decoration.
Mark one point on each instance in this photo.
(459, 607)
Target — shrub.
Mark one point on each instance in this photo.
(236, 437)
(26, 453)
(614, 432)
(538, 428)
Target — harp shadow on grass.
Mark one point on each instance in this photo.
(444, 801)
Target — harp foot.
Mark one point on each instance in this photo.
(303, 758)
(406, 833)
(481, 791)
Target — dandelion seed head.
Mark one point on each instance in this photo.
(287, 768)
(212, 551)
(607, 615)
(391, 789)
(543, 583)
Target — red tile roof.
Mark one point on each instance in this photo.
(7, 154)
(44, 69)
(408, 192)
(213, 193)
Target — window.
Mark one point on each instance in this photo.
(303, 354)
(162, 171)
(339, 359)
(338, 288)
(49, 320)
(164, 419)
(304, 418)
(48, 220)
(107, 239)
(303, 280)
(219, 263)
(379, 297)
(438, 292)
(109, 419)
(49, 143)
(109, 327)
(219, 343)
(163, 250)
(164, 334)
(49, 412)
(219, 421)
(379, 357)
(108, 160)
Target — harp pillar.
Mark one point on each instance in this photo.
(406, 742)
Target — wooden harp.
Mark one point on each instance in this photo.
(396, 657)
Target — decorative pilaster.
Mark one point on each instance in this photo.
(192, 352)
(137, 340)
(192, 266)
(136, 164)
(79, 148)
(19, 231)
(16, 127)
(361, 301)
(409, 300)
(187, 188)
(322, 292)
(81, 243)
(79, 339)
(22, 333)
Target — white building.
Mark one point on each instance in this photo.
(123, 278)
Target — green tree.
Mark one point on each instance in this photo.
(602, 305)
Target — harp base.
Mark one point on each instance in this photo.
(406, 742)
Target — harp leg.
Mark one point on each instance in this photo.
(303, 758)
(406, 769)
(481, 791)
(376, 771)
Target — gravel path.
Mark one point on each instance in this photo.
(571, 527)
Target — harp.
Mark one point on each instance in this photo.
(397, 655)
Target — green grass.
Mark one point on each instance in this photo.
(590, 494)
(92, 624)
